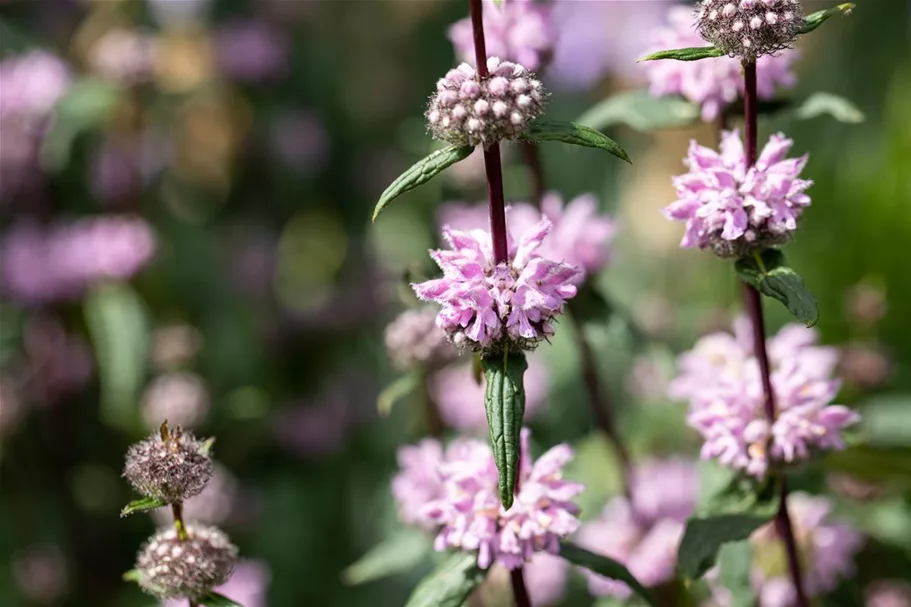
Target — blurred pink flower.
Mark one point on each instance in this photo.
(471, 518)
(414, 340)
(517, 30)
(40, 574)
(733, 210)
(252, 51)
(56, 363)
(124, 56)
(710, 83)
(461, 400)
(59, 262)
(248, 586)
(644, 534)
(418, 481)
(299, 139)
(720, 378)
(215, 505)
(889, 593)
(179, 397)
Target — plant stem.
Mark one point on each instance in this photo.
(532, 157)
(519, 591)
(753, 302)
(600, 401)
(177, 510)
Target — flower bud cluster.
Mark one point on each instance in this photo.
(468, 109)
(749, 29)
(171, 466)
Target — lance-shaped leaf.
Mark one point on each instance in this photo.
(641, 111)
(573, 134)
(605, 566)
(143, 505)
(404, 551)
(741, 507)
(821, 103)
(693, 53)
(213, 599)
(814, 20)
(769, 273)
(421, 172)
(396, 391)
(449, 584)
(504, 400)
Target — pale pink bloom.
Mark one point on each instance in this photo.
(518, 30)
(733, 210)
(418, 481)
(721, 380)
(710, 83)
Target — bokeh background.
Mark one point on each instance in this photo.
(218, 161)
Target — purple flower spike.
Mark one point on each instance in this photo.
(517, 30)
(721, 380)
(488, 306)
(471, 518)
(734, 211)
(710, 83)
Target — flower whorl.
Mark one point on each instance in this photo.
(470, 110)
(749, 29)
(173, 568)
(172, 467)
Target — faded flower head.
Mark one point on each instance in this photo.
(720, 378)
(710, 83)
(173, 568)
(517, 30)
(470, 110)
(460, 399)
(826, 549)
(170, 465)
(748, 29)
(471, 518)
(733, 210)
(644, 534)
(413, 339)
(489, 306)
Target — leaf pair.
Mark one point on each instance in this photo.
(543, 130)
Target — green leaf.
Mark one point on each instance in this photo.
(703, 539)
(873, 464)
(116, 321)
(769, 273)
(421, 172)
(142, 505)
(213, 599)
(693, 53)
(814, 20)
(86, 105)
(886, 420)
(734, 561)
(605, 566)
(404, 551)
(821, 103)
(504, 400)
(642, 111)
(133, 575)
(396, 391)
(449, 584)
(573, 134)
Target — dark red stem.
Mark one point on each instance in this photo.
(477, 27)
(753, 302)
(519, 591)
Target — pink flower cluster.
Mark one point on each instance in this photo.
(733, 210)
(643, 534)
(456, 491)
(826, 550)
(59, 262)
(721, 380)
(710, 83)
(485, 305)
(517, 30)
(580, 235)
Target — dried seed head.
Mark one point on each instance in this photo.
(749, 29)
(470, 110)
(169, 466)
(170, 568)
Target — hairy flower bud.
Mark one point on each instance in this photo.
(171, 466)
(749, 29)
(413, 339)
(470, 110)
(172, 568)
